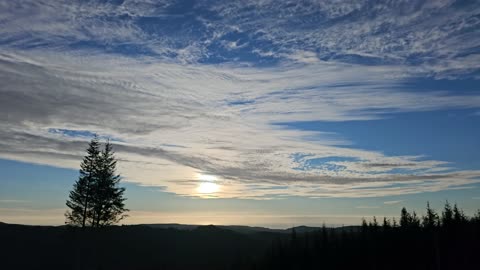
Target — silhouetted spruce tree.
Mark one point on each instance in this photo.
(386, 224)
(81, 197)
(430, 220)
(364, 225)
(447, 215)
(374, 223)
(414, 220)
(405, 218)
(458, 216)
(109, 206)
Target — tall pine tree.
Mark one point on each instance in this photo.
(431, 219)
(81, 197)
(447, 215)
(405, 218)
(109, 200)
(96, 198)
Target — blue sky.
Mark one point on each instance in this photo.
(280, 113)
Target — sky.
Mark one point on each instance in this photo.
(267, 113)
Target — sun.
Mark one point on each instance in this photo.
(207, 184)
(207, 188)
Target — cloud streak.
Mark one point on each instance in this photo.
(436, 38)
(151, 105)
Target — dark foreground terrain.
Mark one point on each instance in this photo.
(373, 246)
(128, 247)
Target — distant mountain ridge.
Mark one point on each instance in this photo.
(249, 229)
(235, 228)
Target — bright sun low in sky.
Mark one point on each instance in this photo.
(270, 113)
(207, 185)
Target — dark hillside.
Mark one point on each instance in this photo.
(449, 240)
(128, 247)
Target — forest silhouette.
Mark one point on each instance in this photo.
(446, 240)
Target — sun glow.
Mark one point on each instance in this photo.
(206, 177)
(207, 184)
(207, 188)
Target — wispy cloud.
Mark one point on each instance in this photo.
(429, 33)
(392, 202)
(9, 201)
(431, 37)
(149, 104)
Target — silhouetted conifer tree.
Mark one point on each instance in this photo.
(447, 215)
(430, 220)
(109, 200)
(364, 224)
(386, 224)
(374, 223)
(415, 220)
(458, 215)
(405, 218)
(96, 198)
(80, 198)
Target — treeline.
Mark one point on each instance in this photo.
(450, 216)
(446, 240)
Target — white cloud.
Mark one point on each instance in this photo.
(428, 35)
(175, 121)
(392, 202)
(304, 57)
(433, 38)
